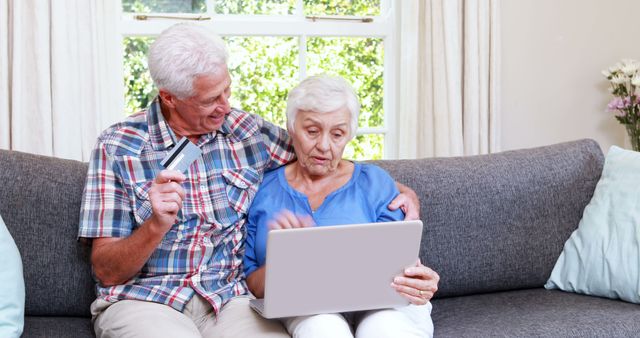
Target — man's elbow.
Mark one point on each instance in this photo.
(103, 263)
(106, 277)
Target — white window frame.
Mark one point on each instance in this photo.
(294, 25)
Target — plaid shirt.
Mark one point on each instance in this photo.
(203, 251)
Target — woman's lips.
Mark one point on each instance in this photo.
(319, 160)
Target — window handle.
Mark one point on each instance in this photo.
(339, 17)
(143, 17)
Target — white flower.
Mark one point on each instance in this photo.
(636, 80)
(630, 68)
(618, 79)
(606, 73)
(615, 68)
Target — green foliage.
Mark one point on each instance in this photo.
(365, 147)
(278, 7)
(139, 88)
(311, 7)
(341, 7)
(164, 6)
(263, 70)
(361, 62)
(248, 7)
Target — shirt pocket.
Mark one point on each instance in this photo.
(242, 184)
(143, 208)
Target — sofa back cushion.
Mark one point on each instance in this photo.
(40, 204)
(499, 222)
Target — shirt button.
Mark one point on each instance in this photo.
(203, 187)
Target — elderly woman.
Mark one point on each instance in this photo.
(321, 188)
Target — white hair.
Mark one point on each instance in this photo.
(323, 94)
(183, 52)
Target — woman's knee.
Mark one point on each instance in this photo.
(323, 325)
(393, 323)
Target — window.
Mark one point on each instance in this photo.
(273, 44)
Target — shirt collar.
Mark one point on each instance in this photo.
(238, 125)
(225, 128)
(160, 134)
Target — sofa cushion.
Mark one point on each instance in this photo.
(498, 222)
(49, 327)
(534, 313)
(40, 203)
(12, 286)
(601, 257)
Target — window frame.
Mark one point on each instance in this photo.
(298, 26)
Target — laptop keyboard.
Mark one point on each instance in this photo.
(257, 304)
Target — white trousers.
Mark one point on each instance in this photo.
(409, 321)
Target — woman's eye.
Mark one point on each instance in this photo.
(312, 131)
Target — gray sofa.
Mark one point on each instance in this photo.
(494, 227)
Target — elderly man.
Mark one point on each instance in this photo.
(168, 246)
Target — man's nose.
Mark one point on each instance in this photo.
(223, 104)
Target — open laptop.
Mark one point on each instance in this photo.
(341, 268)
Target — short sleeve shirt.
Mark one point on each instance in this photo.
(203, 250)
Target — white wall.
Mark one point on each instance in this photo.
(552, 55)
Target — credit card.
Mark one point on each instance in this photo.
(181, 156)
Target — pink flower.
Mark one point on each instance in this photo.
(621, 106)
(616, 104)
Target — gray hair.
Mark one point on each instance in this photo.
(183, 52)
(323, 94)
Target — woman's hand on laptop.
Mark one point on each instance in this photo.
(418, 284)
(285, 219)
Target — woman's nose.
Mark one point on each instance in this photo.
(323, 143)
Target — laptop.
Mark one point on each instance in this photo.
(342, 268)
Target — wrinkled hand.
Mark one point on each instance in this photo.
(166, 195)
(418, 284)
(407, 201)
(285, 219)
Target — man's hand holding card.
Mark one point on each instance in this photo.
(166, 192)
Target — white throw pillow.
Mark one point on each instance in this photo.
(11, 286)
(602, 256)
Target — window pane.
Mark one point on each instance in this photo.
(361, 62)
(275, 7)
(164, 6)
(139, 89)
(263, 70)
(365, 147)
(342, 7)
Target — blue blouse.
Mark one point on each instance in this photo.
(363, 199)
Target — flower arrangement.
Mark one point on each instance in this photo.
(625, 87)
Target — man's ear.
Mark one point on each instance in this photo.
(167, 98)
